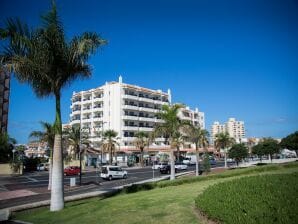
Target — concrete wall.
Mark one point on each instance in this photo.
(6, 170)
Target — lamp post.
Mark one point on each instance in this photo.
(13, 151)
(101, 151)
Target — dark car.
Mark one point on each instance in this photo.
(72, 170)
(166, 169)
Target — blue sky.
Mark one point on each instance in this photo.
(229, 58)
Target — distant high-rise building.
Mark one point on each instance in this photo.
(4, 99)
(232, 126)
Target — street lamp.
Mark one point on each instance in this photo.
(101, 151)
(13, 151)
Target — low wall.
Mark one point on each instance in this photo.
(5, 169)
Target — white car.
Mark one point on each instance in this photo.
(158, 166)
(112, 172)
(42, 167)
(180, 166)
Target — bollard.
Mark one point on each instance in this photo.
(73, 182)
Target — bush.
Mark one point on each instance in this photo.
(139, 187)
(257, 199)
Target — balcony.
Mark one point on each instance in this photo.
(145, 128)
(127, 117)
(131, 107)
(131, 97)
(148, 109)
(86, 120)
(145, 99)
(128, 139)
(76, 112)
(149, 119)
(75, 122)
(97, 118)
(97, 109)
(131, 128)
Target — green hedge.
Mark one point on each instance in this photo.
(257, 199)
(192, 179)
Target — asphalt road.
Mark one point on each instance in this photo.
(38, 182)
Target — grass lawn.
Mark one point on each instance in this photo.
(164, 204)
(256, 199)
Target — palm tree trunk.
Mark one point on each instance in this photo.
(225, 150)
(142, 157)
(111, 156)
(197, 161)
(57, 191)
(50, 172)
(178, 154)
(172, 177)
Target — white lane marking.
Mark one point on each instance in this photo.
(32, 179)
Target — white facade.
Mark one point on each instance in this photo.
(121, 107)
(232, 126)
(125, 109)
(196, 117)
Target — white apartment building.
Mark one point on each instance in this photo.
(196, 117)
(125, 109)
(235, 129)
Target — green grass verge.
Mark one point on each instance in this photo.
(257, 199)
(163, 204)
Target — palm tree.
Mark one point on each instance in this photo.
(141, 141)
(223, 141)
(76, 138)
(6, 146)
(199, 137)
(109, 143)
(178, 141)
(169, 129)
(48, 136)
(44, 59)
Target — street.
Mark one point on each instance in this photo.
(37, 183)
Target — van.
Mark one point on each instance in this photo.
(112, 172)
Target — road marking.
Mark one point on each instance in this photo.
(32, 179)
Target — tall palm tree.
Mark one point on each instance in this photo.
(48, 136)
(109, 143)
(199, 137)
(141, 141)
(223, 141)
(44, 59)
(169, 128)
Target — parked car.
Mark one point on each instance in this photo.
(167, 169)
(72, 170)
(159, 165)
(230, 160)
(42, 167)
(212, 161)
(180, 166)
(112, 172)
(188, 161)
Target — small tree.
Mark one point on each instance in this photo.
(290, 142)
(206, 162)
(238, 152)
(270, 147)
(141, 142)
(258, 150)
(6, 147)
(109, 143)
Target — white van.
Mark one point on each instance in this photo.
(112, 172)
